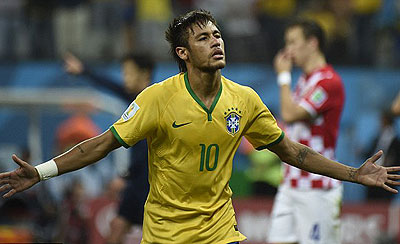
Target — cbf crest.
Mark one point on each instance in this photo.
(232, 119)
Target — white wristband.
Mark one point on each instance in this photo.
(47, 170)
(284, 78)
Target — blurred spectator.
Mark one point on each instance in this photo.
(360, 32)
(39, 14)
(364, 40)
(388, 141)
(73, 226)
(216, 7)
(152, 19)
(273, 16)
(71, 25)
(129, 25)
(75, 129)
(106, 29)
(15, 219)
(337, 50)
(102, 210)
(242, 31)
(320, 12)
(12, 31)
(387, 51)
(182, 6)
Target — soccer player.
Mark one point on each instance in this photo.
(307, 205)
(137, 72)
(194, 122)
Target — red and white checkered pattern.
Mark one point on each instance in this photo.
(322, 94)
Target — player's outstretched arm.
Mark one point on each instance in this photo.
(368, 174)
(81, 155)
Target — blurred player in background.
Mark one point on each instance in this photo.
(307, 206)
(137, 74)
(194, 122)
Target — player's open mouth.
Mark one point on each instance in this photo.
(218, 54)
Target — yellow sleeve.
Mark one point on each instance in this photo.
(262, 130)
(140, 120)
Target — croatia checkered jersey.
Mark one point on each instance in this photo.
(322, 94)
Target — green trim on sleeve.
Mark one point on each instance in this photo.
(116, 135)
(280, 138)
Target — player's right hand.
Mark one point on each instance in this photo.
(18, 180)
(72, 64)
(282, 62)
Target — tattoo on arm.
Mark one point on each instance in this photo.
(301, 156)
(352, 174)
(80, 149)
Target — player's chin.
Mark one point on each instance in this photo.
(214, 66)
(219, 64)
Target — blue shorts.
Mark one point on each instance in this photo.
(236, 242)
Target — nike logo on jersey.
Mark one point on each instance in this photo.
(175, 125)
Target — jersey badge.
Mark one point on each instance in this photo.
(130, 111)
(318, 97)
(232, 120)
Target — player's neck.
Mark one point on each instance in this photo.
(205, 84)
(314, 62)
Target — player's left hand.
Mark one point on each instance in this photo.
(371, 174)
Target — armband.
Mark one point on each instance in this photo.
(284, 78)
(47, 170)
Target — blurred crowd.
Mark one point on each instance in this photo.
(360, 32)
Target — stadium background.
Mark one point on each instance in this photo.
(36, 94)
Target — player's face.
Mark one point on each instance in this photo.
(135, 80)
(206, 48)
(297, 46)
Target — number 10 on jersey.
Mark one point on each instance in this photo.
(205, 157)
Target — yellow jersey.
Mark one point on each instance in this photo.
(191, 148)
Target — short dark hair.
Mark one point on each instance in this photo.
(177, 33)
(310, 28)
(143, 61)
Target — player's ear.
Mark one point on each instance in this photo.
(182, 53)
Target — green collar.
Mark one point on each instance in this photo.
(197, 99)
